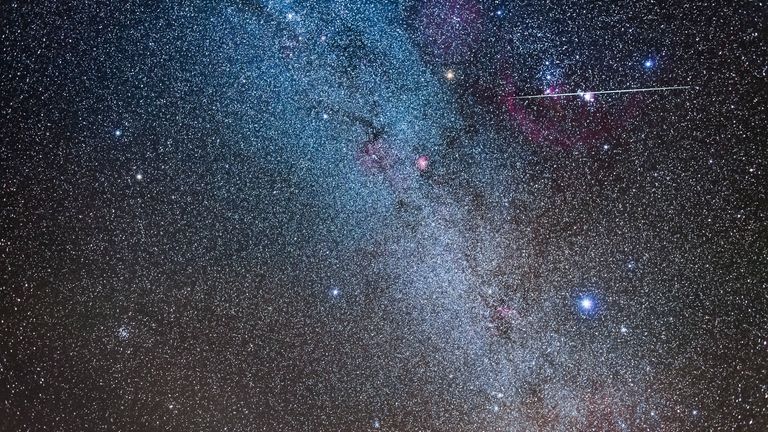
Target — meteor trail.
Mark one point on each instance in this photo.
(582, 93)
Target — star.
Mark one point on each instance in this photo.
(139, 176)
(118, 132)
(649, 63)
(587, 305)
(450, 75)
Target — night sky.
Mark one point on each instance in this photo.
(339, 216)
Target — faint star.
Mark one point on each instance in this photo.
(139, 176)
(118, 132)
(450, 75)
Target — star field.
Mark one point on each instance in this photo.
(248, 215)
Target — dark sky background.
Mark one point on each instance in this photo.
(337, 216)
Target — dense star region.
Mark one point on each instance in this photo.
(243, 215)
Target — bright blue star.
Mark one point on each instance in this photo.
(588, 305)
(649, 63)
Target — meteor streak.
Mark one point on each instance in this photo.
(590, 93)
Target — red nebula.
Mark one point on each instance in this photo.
(503, 317)
(567, 122)
(502, 312)
(422, 163)
(378, 158)
(374, 156)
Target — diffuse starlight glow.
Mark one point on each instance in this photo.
(325, 216)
